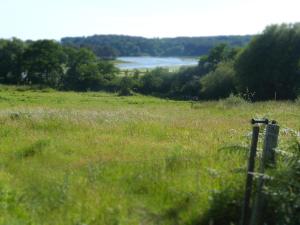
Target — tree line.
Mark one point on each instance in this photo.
(111, 46)
(48, 63)
(266, 68)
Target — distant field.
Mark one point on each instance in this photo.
(97, 158)
(141, 72)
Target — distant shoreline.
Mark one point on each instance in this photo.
(149, 62)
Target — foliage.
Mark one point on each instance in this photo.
(11, 53)
(225, 207)
(218, 83)
(78, 60)
(269, 65)
(126, 85)
(120, 45)
(182, 84)
(43, 63)
(219, 53)
(185, 83)
(46, 63)
(283, 191)
(156, 81)
(267, 68)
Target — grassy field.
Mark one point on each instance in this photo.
(97, 158)
(141, 72)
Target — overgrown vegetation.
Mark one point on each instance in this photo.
(90, 157)
(281, 192)
(98, 158)
(283, 189)
(270, 64)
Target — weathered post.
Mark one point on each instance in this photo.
(268, 158)
(249, 179)
(271, 140)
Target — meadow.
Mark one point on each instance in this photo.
(99, 158)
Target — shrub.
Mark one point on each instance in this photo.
(282, 195)
(126, 85)
(156, 81)
(283, 191)
(225, 207)
(219, 83)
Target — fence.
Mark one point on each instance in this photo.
(267, 160)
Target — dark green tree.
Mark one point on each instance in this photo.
(120, 45)
(220, 53)
(155, 81)
(86, 72)
(44, 63)
(269, 65)
(126, 85)
(218, 83)
(72, 80)
(185, 83)
(11, 53)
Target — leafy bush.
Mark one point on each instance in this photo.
(156, 81)
(282, 195)
(269, 65)
(283, 191)
(219, 83)
(225, 207)
(125, 85)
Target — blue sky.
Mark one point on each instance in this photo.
(53, 19)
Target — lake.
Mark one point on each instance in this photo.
(147, 62)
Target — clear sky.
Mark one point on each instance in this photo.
(53, 19)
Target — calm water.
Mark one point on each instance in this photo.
(152, 62)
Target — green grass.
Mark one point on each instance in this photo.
(97, 158)
(143, 71)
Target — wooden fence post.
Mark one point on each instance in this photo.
(249, 179)
(271, 140)
(268, 157)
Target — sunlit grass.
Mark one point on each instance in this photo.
(96, 158)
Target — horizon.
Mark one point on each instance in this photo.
(36, 19)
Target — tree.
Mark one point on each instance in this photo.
(154, 81)
(11, 52)
(89, 77)
(126, 85)
(269, 65)
(220, 53)
(219, 83)
(185, 83)
(44, 63)
(86, 72)
(72, 80)
(120, 45)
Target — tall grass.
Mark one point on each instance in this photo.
(97, 158)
